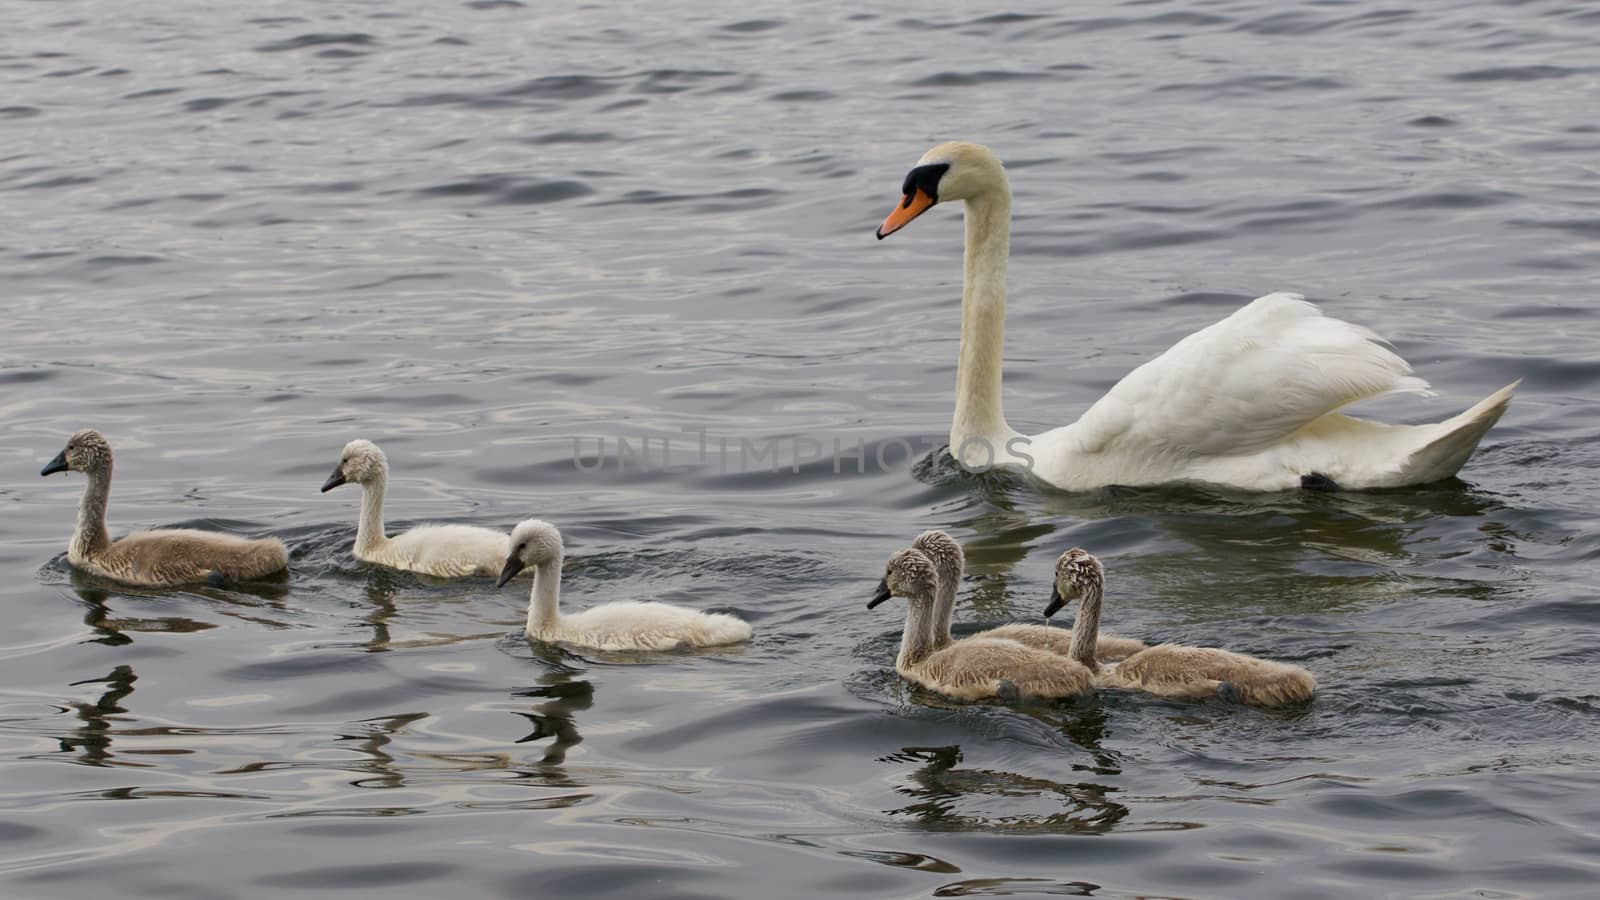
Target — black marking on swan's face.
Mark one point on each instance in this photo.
(923, 178)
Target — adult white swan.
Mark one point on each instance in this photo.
(1250, 401)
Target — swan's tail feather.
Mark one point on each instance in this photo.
(255, 559)
(1291, 684)
(1453, 440)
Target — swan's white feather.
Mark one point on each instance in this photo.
(624, 625)
(444, 551)
(1245, 383)
(630, 625)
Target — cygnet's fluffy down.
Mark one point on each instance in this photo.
(949, 561)
(623, 625)
(443, 551)
(1170, 670)
(976, 668)
(164, 557)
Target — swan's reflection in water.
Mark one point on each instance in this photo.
(564, 695)
(1289, 552)
(946, 797)
(112, 630)
(372, 740)
(91, 740)
(248, 602)
(380, 598)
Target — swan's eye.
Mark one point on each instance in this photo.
(925, 178)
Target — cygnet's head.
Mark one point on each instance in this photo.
(910, 574)
(534, 542)
(361, 462)
(943, 550)
(1077, 571)
(954, 170)
(86, 451)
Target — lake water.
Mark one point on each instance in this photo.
(497, 237)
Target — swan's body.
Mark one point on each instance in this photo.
(623, 625)
(949, 560)
(443, 551)
(1251, 401)
(1169, 670)
(160, 557)
(976, 668)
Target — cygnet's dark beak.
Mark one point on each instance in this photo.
(513, 566)
(1056, 602)
(334, 480)
(59, 464)
(881, 595)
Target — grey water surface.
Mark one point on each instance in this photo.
(497, 236)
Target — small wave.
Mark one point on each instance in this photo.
(753, 26)
(357, 39)
(984, 76)
(1517, 73)
(499, 188)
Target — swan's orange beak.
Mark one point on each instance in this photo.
(915, 204)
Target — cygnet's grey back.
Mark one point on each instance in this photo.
(187, 556)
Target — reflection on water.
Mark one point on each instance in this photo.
(1013, 887)
(564, 696)
(949, 798)
(91, 742)
(370, 739)
(112, 631)
(380, 593)
(1201, 551)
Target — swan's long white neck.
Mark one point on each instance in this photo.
(914, 640)
(979, 415)
(545, 597)
(90, 537)
(369, 531)
(1086, 627)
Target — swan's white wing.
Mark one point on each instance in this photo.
(1245, 383)
(448, 551)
